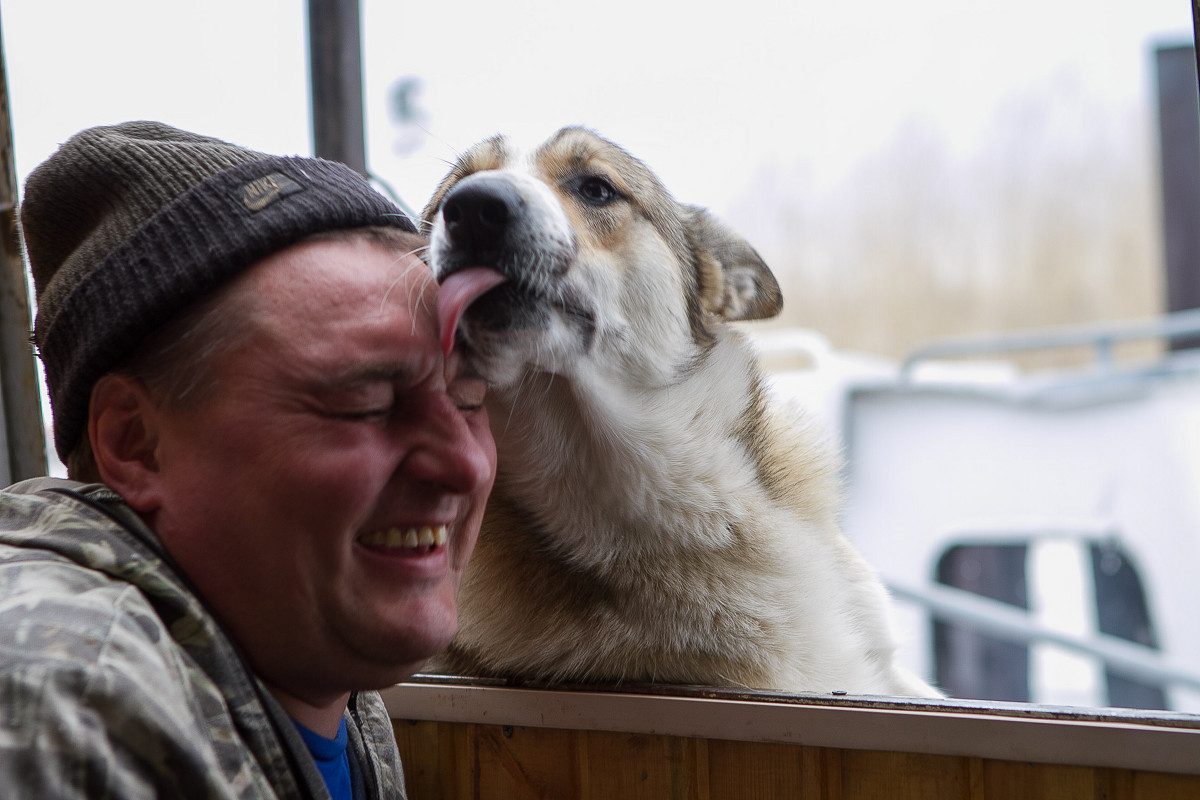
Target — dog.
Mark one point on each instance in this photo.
(655, 518)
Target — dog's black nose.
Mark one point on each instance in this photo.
(477, 215)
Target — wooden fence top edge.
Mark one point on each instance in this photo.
(1115, 738)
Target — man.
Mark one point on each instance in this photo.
(278, 478)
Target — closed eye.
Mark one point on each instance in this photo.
(360, 400)
(468, 393)
(363, 415)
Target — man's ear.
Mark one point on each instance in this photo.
(123, 429)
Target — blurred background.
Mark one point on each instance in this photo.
(950, 165)
(915, 171)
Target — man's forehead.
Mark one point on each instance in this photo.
(321, 272)
(336, 310)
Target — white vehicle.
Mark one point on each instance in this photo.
(1040, 531)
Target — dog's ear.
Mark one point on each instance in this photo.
(430, 212)
(735, 283)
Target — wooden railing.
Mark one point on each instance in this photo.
(462, 739)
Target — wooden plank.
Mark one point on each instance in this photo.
(427, 751)
(905, 776)
(762, 770)
(975, 781)
(1038, 781)
(1157, 786)
(831, 774)
(528, 762)
(1146, 741)
(464, 761)
(473, 741)
(641, 767)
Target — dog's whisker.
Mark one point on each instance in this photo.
(422, 295)
(416, 292)
(518, 390)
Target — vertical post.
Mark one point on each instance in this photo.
(335, 78)
(1196, 30)
(22, 435)
(1179, 140)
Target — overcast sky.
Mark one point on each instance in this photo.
(706, 93)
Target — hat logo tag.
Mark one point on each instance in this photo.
(262, 192)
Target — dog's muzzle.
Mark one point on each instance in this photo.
(507, 221)
(503, 235)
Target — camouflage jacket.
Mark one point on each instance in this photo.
(115, 681)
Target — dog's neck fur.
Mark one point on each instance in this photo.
(636, 474)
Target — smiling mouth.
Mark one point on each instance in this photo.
(408, 540)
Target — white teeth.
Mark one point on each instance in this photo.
(411, 538)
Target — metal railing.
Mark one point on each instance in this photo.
(1101, 337)
(22, 441)
(1133, 660)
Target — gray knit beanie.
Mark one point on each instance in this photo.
(125, 226)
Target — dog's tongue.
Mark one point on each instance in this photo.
(457, 292)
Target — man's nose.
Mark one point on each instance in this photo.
(448, 453)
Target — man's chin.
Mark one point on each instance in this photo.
(411, 654)
(376, 674)
(388, 642)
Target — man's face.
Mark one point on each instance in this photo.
(335, 433)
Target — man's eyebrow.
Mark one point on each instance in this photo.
(377, 372)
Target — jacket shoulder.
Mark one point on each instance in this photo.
(99, 695)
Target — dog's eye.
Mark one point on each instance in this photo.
(597, 190)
